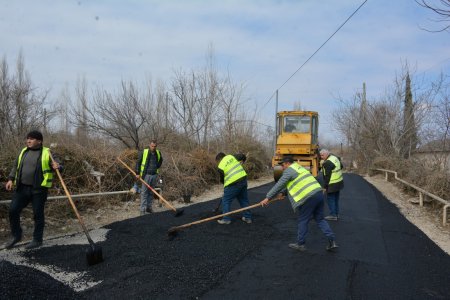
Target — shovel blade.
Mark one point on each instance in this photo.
(94, 255)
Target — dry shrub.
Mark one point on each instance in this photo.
(182, 172)
(424, 174)
(188, 173)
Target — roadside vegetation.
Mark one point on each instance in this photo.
(407, 130)
(199, 113)
(193, 117)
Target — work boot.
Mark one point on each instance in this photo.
(33, 244)
(224, 222)
(297, 247)
(332, 245)
(11, 243)
(148, 210)
(247, 220)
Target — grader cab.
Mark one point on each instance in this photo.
(297, 136)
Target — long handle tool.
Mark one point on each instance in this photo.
(94, 254)
(172, 232)
(177, 212)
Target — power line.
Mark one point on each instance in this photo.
(271, 97)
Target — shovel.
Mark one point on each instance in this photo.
(94, 254)
(173, 232)
(177, 212)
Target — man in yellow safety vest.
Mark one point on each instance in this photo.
(32, 175)
(333, 182)
(234, 179)
(147, 168)
(305, 195)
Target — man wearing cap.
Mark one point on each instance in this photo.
(234, 179)
(32, 175)
(147, 168)
(305, 195)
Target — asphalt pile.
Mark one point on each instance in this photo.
(19, 282)
(381, 256)
(142, 261)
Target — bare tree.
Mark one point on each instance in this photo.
(21, 106)
(204, 104)
(383, 128)
(441, 9)
(121, 117)
(80, 112)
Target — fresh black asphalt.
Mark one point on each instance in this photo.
(381, 256)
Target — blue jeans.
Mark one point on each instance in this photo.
(312, 208)
(137, 188)
(22, 197)
(239, 191)
(333, 203)
(146, 193)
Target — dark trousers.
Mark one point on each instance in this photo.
(333, 203)
(239, 191)
(22, 197)
(312, 209)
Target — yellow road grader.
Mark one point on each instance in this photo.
(297, 136)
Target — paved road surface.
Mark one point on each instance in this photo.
(381, 256)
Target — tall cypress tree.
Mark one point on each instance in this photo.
(409, 123)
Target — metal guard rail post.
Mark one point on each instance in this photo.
(421, 193)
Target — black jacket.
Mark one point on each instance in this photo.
(328, 166)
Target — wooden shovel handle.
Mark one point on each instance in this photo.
(222, 215)
(72, 203)
(148, 186)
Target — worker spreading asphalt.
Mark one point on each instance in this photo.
(381, 256)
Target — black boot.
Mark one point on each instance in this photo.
(11, 243)
(332, 245)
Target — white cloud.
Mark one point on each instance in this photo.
(260, 43)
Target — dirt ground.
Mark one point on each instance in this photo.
(428, 218)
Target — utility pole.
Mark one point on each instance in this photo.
(276, 123)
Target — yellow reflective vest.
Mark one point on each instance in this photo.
(336, 173)
(303, 185)
(144, 160)
(47, 172)
(232, 169)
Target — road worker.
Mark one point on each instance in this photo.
(147, 168)
(306, 197)
(234, 179)
(32, 176)
(333, 182)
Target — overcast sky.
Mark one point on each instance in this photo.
(260, 44)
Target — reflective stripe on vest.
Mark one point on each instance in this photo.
(232, 169)
(336, 173)
(303, 185)
(47, 172)
(144, 160)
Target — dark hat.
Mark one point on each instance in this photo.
(34, 134)
(240, 157)
(287, 159)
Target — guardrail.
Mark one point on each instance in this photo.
(86, 195)
(422, 193)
